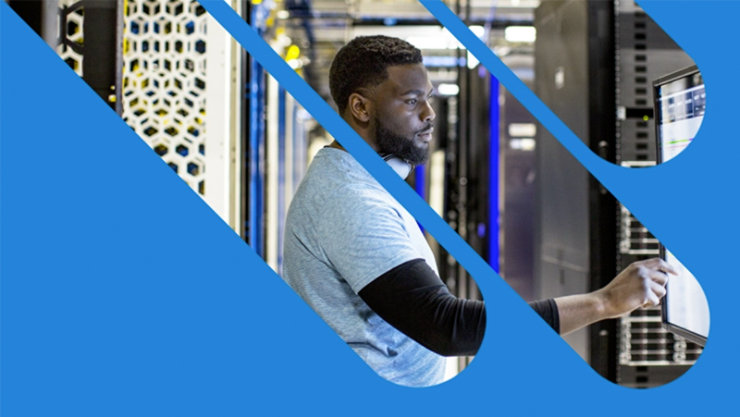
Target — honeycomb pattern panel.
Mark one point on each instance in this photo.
(71, 42)
(164, 88)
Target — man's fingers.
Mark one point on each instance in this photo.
(651, 299)
(653, 294)
(659, 277)
(660, 265)
(657, 289)
(667, 268)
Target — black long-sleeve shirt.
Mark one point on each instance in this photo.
(413, 299)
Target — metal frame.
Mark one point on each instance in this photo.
(222, 108)
(272, 168)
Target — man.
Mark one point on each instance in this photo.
(358, 257)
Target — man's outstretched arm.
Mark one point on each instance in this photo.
(412, 298)
(642, 284)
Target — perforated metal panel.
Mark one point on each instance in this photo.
(156, 51)
(164, 85)
(71, 41)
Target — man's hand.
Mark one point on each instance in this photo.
(641, 284)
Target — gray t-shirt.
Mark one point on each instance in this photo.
(343, 231)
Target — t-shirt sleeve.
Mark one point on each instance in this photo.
(365, 237)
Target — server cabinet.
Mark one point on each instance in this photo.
(647, 355)
(575, 227)
(595, 62)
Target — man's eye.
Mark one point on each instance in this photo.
(412, 101)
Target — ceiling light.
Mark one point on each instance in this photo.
(523, 144)
(472, 61)
(448, 89)
(477, 30)
(439, 38)
(522, 129)
(520, 34)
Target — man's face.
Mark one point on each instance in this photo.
(403, 114)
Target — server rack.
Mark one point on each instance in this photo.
(594, 65)
(147, 60)
(648, 355)
(575, 231)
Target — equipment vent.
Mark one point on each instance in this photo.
(164, 88)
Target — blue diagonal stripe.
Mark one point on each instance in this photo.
(517, 88)
(350, 140)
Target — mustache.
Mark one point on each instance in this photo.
(427, 127)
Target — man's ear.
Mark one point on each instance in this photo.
(360, 107)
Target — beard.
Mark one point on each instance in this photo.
(406, 148)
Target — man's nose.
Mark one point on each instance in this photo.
(428, 114)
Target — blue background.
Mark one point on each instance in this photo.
(124, 294)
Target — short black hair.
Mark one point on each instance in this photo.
(363, 63)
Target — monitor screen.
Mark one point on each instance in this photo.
(685, 308)
(679, 110)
